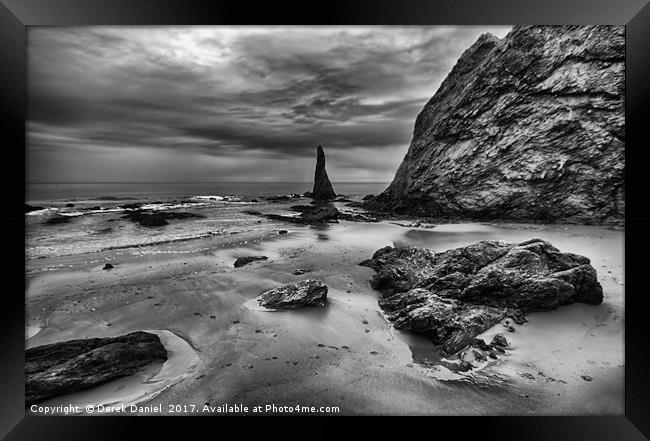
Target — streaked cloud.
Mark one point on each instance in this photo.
(230, 103)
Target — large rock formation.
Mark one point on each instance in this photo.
(322, 185)
(74, 365)
(453, 296)
(294, 295)
(530, 127)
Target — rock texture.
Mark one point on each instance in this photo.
(71, 366)
(455, 295)
(322, 185)
(294, 295)
(530, 127)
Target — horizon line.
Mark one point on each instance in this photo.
(198, 182)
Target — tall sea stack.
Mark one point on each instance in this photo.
(322, 185)
(530, 127)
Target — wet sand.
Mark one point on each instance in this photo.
(330, 356)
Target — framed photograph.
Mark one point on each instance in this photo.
(430, 209)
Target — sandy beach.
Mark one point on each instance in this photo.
(345, 354)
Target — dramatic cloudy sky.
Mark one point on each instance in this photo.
(230, 104)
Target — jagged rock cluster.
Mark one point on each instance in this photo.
(455, 295)
(74, 365)
(530, 127)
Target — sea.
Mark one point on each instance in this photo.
(96, 209)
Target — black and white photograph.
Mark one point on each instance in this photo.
(325, 220)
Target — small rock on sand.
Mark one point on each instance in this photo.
(294, 295)
(241, 261)
(500, 341)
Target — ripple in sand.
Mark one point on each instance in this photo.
(31, 331)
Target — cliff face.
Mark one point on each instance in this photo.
(530, 127)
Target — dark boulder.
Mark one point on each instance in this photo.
(319, 214)
(322, 185)
(281, 232)
(314, 215)
(294, 295)
(303, 208)
(241, 261)
(56, 220)
(156, 218)
(30, 208)
(74, 365)
(108, 266)
(500, 341)
(455, 295)
(132, 206)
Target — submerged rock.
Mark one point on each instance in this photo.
(294, 295)
(157, 219)
(74, 365)
(30, 208)
(455, 295)
(322, 185)
(55, 220)
(528, 127)
(241, 261)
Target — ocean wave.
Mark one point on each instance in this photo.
(43, 211)
(66, 251)
(218, 198)
(184, 238)
(167, 206)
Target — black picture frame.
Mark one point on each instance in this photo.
(16, 15)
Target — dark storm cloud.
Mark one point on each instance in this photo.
(200, 102)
